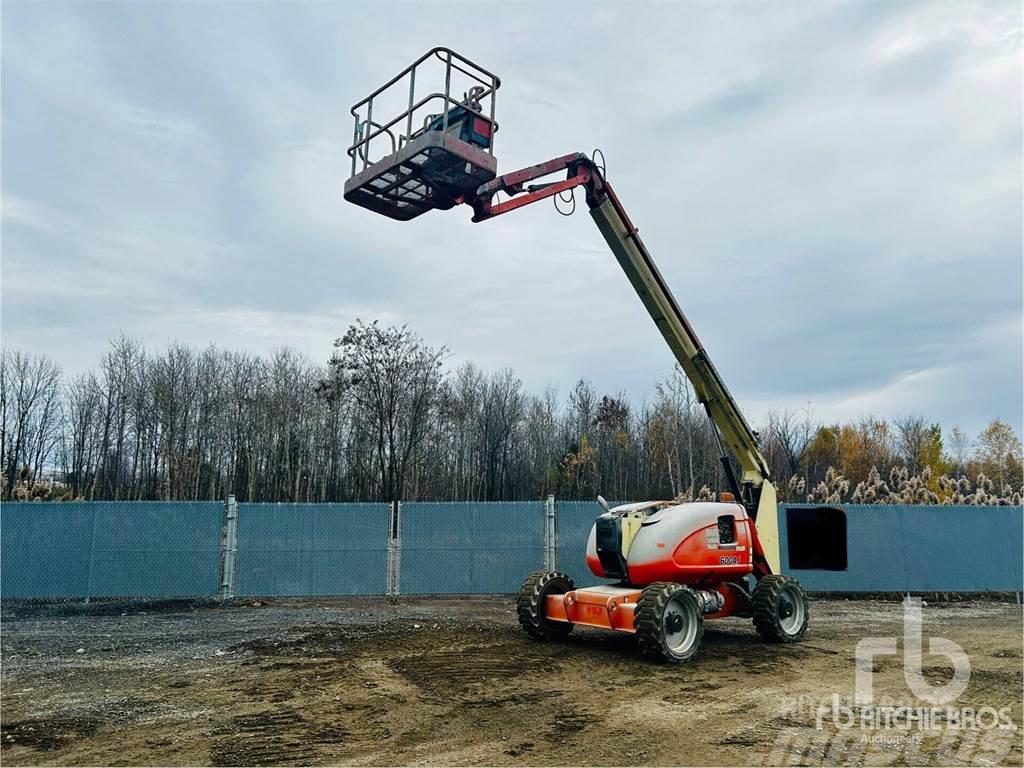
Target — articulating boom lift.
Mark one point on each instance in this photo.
(675, 564)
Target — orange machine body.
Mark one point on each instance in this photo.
(611, 607)
(695, 544)
(708, 546)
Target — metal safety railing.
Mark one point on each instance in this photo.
(478, 100)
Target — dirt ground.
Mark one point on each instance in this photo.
(454, 681)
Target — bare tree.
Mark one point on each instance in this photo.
(501, 415)
(82, 411)
(959, 450)
(32, 413)
(395, 380)
(792, 434)
(912, 433)
(383, 421)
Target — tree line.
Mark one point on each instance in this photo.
(385, 419)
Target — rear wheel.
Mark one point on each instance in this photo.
(669, 622)
(531, 602)
(780, 609)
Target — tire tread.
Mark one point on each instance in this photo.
(529, 604)
(763, 607)
(648, 620)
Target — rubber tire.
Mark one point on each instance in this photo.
(530, 604)
(649, 621)
(764, 606)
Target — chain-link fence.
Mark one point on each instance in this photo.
(897, 548)
(473, 547)
(110, 549)
(312, 549)
(182, 549)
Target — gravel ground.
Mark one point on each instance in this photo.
(453, 681)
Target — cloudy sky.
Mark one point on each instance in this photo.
(833, 191)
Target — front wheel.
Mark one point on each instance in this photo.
(780, 609)
(531, 602)
(669, 622)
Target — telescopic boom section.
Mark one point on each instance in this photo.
(635, 260)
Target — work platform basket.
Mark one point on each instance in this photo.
(416, 147)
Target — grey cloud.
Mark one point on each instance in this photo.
(833, 191)
(734, 104)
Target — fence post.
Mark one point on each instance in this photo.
(92, 556)
(229, 546)
(550, 535)
(547, 535)
(395, 550)
(555, 537)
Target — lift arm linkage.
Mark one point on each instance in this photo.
(635, 260)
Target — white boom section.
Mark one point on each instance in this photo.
(708, 386)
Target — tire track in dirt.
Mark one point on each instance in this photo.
(450, 682)
(504, 695)
(276, 737)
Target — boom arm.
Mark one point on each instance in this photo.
(757, 492)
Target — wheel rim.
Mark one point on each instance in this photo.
(680, 624)
(791, 609)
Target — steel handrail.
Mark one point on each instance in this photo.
(384, 128)
(364, 147)
(430, 97)
(495, 80)
(451, 60)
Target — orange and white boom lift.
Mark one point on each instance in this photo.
(674, 564)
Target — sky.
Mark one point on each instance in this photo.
(833, 191)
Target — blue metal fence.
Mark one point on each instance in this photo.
(469, 547)
(110, 549)
(312, 549)
(894, 548)
(175, 549)
(575, 518)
